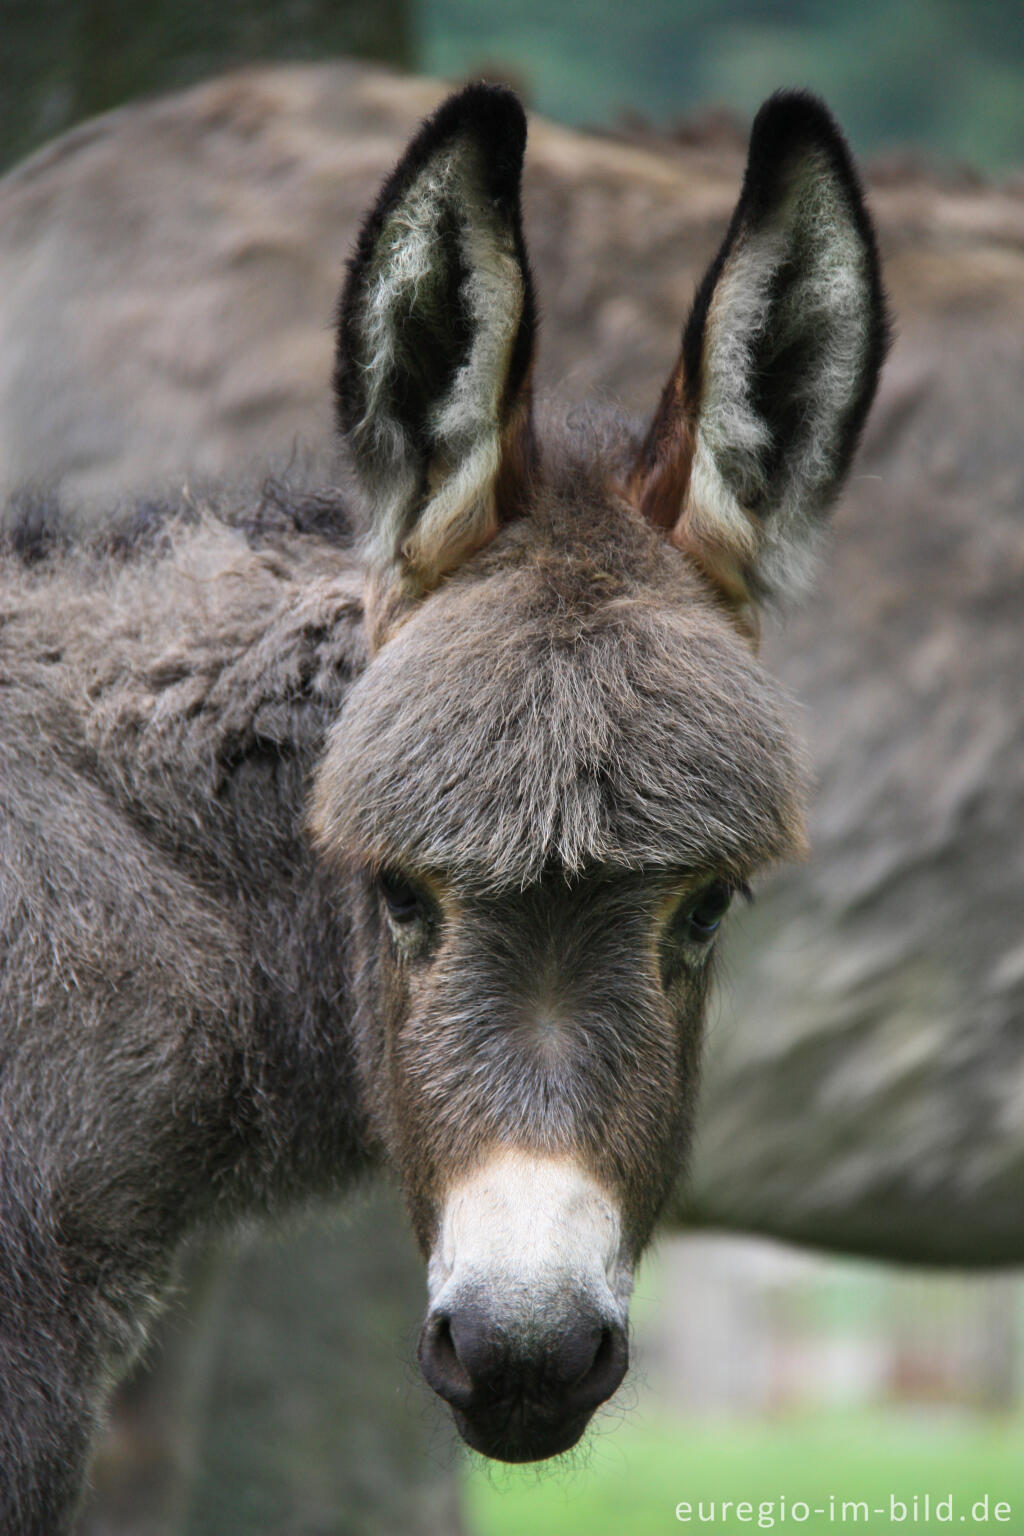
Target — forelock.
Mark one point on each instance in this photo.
(534, 716)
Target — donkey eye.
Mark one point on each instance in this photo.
(404, 902)
(686, 940)
(697, 919)
(710, 906)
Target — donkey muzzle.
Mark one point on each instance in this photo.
(526, 1332)
(522, 1398)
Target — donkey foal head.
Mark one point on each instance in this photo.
(564, 759)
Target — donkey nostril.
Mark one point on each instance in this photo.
(604, 1350)
(605, 1372)
(444, 1346)
(440, 1363)
(466, 1358)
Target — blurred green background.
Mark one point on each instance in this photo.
(945, 77)
(778, 1377)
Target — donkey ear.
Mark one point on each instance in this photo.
(781, 354)
(435, 340)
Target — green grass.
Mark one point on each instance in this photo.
(631, 1478)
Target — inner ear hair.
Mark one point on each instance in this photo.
(435, 340)
(780, 359)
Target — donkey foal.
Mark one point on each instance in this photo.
(411, 845)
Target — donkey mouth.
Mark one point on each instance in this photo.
(519, 1435)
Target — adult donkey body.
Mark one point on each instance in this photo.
(520, 715)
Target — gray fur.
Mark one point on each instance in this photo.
(172, 960)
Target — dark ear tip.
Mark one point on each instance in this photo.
(483, 104)
(491, 113)
(796, 111)
(793, 120)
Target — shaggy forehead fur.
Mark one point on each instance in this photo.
(574, 696)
